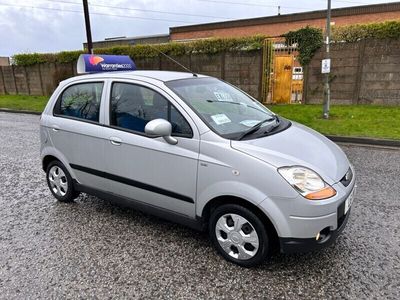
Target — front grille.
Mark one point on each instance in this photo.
(347, 178)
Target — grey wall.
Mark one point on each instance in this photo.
(365, 72)
(240, 68)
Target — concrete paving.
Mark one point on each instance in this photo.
(95, 249)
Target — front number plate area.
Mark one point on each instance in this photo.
(348, 202)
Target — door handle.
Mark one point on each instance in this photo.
(116, 141)
(55, 127)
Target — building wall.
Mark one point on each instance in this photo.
(278, 29)
(280, 24)
(4, 61)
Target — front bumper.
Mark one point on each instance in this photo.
(296, 245)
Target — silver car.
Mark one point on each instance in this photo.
(198, 151)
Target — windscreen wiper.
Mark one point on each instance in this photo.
(258, 126)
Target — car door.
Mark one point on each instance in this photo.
(75, 130)
(144, 168)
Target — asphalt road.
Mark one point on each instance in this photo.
(94, 249)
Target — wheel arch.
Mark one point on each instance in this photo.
(220, 200)
(47, 160)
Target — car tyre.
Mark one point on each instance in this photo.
(239, 235)
(60, 182)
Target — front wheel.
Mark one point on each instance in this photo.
(239, 235)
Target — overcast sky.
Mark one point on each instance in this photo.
(59, 24)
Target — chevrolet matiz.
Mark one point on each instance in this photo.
(196, 150)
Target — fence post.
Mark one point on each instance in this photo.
(15, 82)
(40, 79)
(261, 76)
(72, 69)
(27, 81)
(2, 81)
(361, 55)
(223, 65)
(305, 84)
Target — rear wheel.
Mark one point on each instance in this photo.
(60, 182)
(239, 235)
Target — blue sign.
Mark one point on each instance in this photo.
(92, 63)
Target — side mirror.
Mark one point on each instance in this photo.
(161, 127)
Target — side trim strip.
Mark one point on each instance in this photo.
(133, 183)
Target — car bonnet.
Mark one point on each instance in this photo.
(301, 146)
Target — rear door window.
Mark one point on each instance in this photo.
(80, 101)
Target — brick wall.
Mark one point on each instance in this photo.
(280, 24)
(281, 28)
(366, 72)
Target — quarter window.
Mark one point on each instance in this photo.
(81, 101)
(133, 106)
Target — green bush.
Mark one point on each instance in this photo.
(353, 33)
(309, 40)
(29, 59)
(207, 46)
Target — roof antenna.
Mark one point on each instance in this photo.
(279, 10)
(170, 58)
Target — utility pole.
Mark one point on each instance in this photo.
(327, 91)
(87, 24)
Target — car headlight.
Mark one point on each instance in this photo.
(307, 182)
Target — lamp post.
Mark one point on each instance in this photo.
(87, 24)
(327, 91)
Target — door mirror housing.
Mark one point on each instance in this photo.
(161, 127)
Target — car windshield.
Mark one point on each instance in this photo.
(227, 110)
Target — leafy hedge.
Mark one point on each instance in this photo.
(353, 33)
(209, 46)
(309, 40)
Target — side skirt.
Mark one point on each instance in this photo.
(196, 224)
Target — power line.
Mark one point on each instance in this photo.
(253, 4)
(140, 9)
(93, 13)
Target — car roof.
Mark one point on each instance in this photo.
(156, 75)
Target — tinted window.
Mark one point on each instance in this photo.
(133, 106)
(81, 101)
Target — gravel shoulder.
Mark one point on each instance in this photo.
(95, 249)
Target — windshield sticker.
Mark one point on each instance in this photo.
(222, 96)
(249, 123)
(220, 119)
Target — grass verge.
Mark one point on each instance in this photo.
(346, 120)
(23, 102)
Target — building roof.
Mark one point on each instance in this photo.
(122, 38)
(317, 14)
